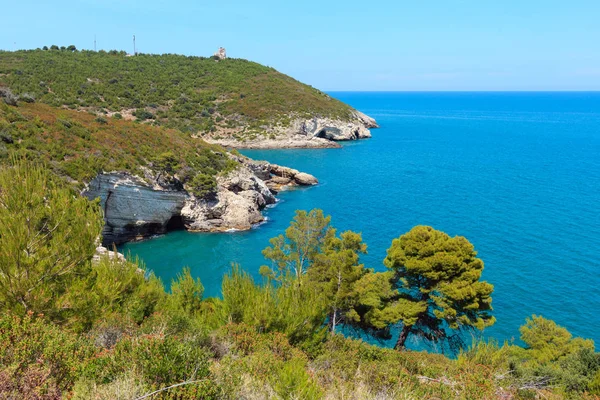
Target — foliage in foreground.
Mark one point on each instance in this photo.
(42, 360)
(105, 329)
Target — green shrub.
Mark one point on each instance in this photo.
(290, 308)
(160, 361)
(143, 115)
(31, 346)
(203, 185)
(111, 287)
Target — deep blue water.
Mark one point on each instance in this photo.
(518, 174)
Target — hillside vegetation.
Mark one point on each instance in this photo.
(192, 94)
(80, 145)
(72, 327)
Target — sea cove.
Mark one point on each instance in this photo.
(518, 174)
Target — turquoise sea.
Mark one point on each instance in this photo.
(518, 174)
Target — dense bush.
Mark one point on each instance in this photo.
(39, 358)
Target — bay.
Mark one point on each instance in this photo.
(518, 174)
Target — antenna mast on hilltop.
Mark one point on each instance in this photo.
(134, 52)
(94, 42)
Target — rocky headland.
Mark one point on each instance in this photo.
(316, 132)
(138, 207)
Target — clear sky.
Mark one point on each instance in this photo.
(343, 45)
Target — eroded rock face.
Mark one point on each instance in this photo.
(133, 209)
(137, 208)
(240, 197)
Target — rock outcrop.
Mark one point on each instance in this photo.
(133, 208)
(137, 208)
(314, 132)
(102, 251)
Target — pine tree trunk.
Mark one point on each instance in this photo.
(333, 322)
(402, 338)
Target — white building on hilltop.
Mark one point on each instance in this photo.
(220, 54)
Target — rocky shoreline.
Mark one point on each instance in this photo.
(302, 133)
(137, 207)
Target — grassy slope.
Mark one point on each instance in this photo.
(79, 145)
(189, 93)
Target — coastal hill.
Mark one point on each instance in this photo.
(234, 102)
(149, 179)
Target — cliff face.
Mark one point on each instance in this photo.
(137, 208)
(133, 209)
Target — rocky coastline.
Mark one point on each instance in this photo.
(137, 207)
(303, 133)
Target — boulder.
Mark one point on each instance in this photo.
(102, 251)
(305, 179)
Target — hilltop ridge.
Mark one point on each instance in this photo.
(234, 102)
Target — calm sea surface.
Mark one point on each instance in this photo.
(518, 174)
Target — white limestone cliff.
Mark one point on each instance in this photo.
(136, 208)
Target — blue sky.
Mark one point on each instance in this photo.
(343, 45)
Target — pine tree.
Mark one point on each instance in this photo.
(548, 341)
(304, 239)
(311, 254)
(437, 277)
(335, 271)
(47, 235)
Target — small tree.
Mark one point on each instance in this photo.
(47, 234)
(335, 270)
(166, 162)
(186, 292)
(438, 282)
(312, 253)
(283, 306)
(295, 251)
